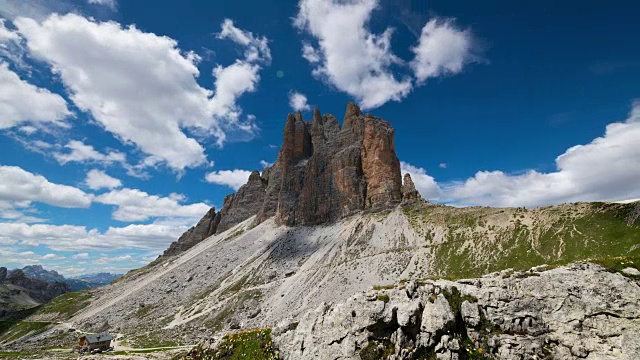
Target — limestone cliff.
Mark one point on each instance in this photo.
(324, 172)
(206, 227)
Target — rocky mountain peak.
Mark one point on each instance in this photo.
(324, 172)
(409, 192)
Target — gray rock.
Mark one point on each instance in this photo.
(575, 312)
(470, 313)
(205, 228)
(631, 271)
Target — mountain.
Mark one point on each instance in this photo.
(40, 273)
(99, 279)
(332, 231)
(82, 282)
(19, 291)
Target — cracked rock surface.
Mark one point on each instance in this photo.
(576, 312)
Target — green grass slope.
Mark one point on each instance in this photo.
(470, 242)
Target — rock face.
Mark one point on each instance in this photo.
(205, 228)
(38, 290)
(243, 204)
(323, 172)
(575, 312)
(409, 192)
(329, 171)
(633, 217)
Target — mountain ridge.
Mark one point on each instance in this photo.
(324, 172)
(274, 254)
(77, 283)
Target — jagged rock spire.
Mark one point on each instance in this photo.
(323, 173)
(409, 192)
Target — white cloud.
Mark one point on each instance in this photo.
(349, 56)
(97, 179)
(425, 184)
(112, 4)
(442, 50)
(310, 53)
(141, 86)
(18, 185)
(231, 178)
(75, 238)
(23, 102)
(298, 101)
(137, 205)
(52, 257)
(257, 48)
(80, 256)
(265, 164)
(606, 169)
(35, 9)
(6, 34)
(442, 165)
(28, 129)
(109, 260)
(232, 82)
(81, 152)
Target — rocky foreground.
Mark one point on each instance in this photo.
(576, 312)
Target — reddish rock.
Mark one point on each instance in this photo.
(323, 173)
(380, 164)
(409, 192)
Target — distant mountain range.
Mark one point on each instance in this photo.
(77, 283)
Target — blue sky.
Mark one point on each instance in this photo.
(122, 123)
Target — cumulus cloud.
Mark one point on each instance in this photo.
(231, 178)
(341, 30)
(141, 87)
(310, 53)
(22, 102)
(425, 184)
(112, 4)
(137, 205)
(257, 48)
(18, 185)
(75, 238)
(606, 169)
(375, 75)
(442, 50)
(112, 259)
(80, 256)
(81, 152)
(97, 179)
(298, 101)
